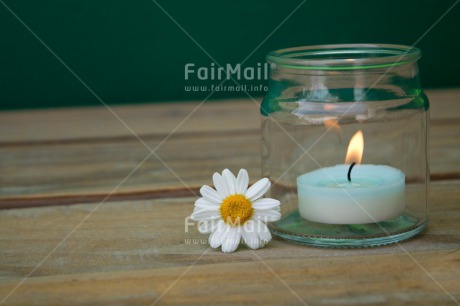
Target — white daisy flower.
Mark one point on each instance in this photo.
(233, 211)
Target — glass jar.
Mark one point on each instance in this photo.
(319, 98)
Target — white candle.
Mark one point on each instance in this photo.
(335, 195)
(375, 193)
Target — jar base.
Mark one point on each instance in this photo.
(298, 230)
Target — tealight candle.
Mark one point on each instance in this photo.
(344, 194)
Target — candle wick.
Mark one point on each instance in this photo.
(349, 171)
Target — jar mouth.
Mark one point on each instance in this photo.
(344, 57)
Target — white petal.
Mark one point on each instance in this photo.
(242, 182)
(265, 203)
(206, 204)
(267, 215)
(221, 185)
(205, 215)
(276, 208)
(208, 226)
(219, 235)
(210, 194)
(231, 181)
(264, 234)
(250, 237)
(258, 189)
(231, 242)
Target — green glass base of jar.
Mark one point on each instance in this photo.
(298, 230)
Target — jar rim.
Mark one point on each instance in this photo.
(344, 56)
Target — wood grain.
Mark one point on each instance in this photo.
(51, 157)
(88, 171)
(444, 104)
(355, 280)
(91, 169)
(97, 123)
(56, 125)
(128, 245)
(132, 251)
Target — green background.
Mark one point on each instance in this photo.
(131, 51)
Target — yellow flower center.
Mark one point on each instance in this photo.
(236, 209)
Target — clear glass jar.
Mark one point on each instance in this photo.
(320, 97)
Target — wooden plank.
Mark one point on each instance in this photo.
(96, 168)
(81, 155)
(359, 280)
(144, 119)
(444, 103)
(160, 119)
(131, 252)
(61, 173)
(148, 234)
(445, 149)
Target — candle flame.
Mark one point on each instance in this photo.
(355, 149)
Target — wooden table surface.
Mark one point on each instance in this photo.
(92, 214)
